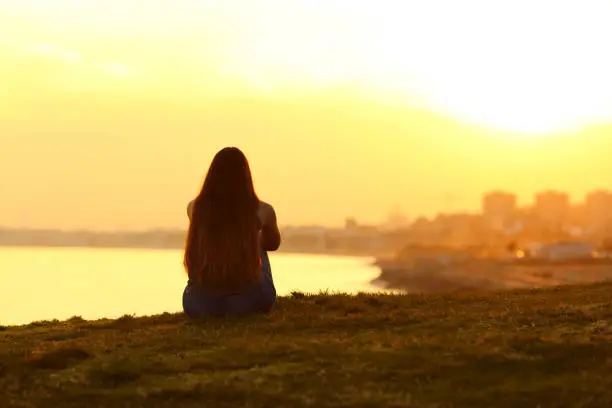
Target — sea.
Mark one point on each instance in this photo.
(59, 283)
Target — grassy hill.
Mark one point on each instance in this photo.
(539, 348)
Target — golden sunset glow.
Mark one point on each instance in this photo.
(115, 103)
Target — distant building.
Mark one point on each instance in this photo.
(564, 251)
(498, 209)
(552, 207)
(598, 209)
(460, 229)
(350, 223)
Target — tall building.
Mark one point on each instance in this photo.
(498, 208)
(553, 207)
(598, 209)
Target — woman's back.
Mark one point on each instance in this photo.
(267, 227)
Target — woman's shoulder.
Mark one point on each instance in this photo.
(190, 208)
(266, 212)
(266, 209)
(265, 206)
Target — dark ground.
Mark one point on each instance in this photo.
(530, 348)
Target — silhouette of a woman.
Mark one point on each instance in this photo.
(230, 233)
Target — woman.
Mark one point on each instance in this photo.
(230, 233)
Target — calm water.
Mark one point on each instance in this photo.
(58, 283)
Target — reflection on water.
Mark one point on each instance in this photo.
(58, 283)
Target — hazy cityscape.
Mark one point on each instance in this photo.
(552, 217)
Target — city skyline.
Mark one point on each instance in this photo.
(492, 203)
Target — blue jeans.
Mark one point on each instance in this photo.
(260, 298)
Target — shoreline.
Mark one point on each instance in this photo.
(348, 254)
(490, 275)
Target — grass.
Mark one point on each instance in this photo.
(538, 348)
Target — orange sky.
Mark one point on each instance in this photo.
(110, 114)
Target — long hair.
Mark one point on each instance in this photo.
(222, 248)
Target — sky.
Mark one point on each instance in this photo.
(111, 111)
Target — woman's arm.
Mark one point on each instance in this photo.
(270, 233)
